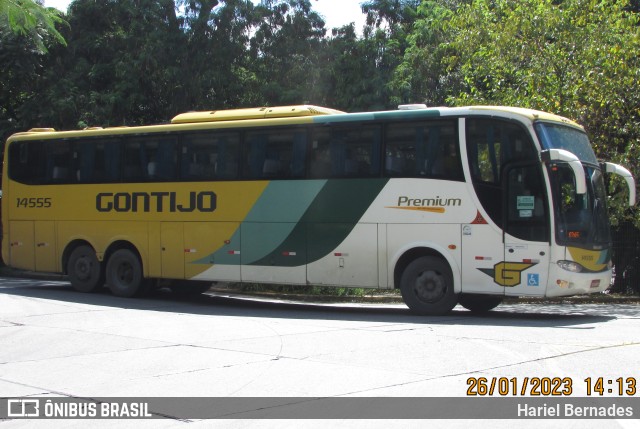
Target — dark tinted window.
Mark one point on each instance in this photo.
(493, 144)
(345, 151)
(275, 153)
(210, 156)
(98, 161)
(526, 209)
(423, 149)
(26, 163)
(65, 161)
(150, 158)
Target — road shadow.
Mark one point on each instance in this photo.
(216, 304)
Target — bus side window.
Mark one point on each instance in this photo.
(150, 158)
(423, 149)
(345, 152)
(484, 151)
(165, 158)
(493, 145)
(98, 161)
(27, 162)
(61, 162)
(320, 166)
(363, 151)
(210, 156)
(134, 165)
(405, 147)
(275, 154)
(110, 163)
(256, 156)
(299, 154)
(87, 169)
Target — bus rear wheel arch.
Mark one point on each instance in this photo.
(426, 285)
(85, 271)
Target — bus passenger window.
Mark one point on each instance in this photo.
(134, 164)
(275, 154)
(423, 149)
(345, 152)
(210, 156)
(26, 163)
(150, 158)
(61, 162)
(320, 166)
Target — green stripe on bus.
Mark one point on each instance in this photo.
(329, 220)
(275, 214)
(269, 222)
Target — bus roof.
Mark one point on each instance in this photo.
(529, 113)
(253, 113)
(281, 115)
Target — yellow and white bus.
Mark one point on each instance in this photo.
(449, 205)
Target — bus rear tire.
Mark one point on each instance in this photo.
(427, 286)
(84, 270)
(479, 303)
(124, 274)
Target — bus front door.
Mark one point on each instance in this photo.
(526, 231)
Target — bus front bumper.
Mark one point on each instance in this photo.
(567, 283)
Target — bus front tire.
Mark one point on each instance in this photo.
(479, 303)
(427, 286)
(124, 274)
(84, 269)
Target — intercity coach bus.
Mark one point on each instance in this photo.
(448, 205)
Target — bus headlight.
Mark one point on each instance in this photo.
(572, 266)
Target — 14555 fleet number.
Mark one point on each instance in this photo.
(33, 203)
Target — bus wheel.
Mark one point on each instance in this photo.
(84, 269)
(479, 303)
(124, 273)
(427, 286)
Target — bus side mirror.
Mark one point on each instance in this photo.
(573, 161)
(610, 167)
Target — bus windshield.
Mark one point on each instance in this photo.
(556, 136)
(581, 220)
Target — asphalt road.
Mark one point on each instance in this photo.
(55, 342)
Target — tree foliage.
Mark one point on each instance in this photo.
(30, 19)
(577, 58)
(142, 61)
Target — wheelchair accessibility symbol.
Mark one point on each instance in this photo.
(533, 279)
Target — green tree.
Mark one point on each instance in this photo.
(285, 50)
(577, 58)
(27, 33)
(119, 68)
(30, 19)
(423, 75)
(359, 69)
(216, 72)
